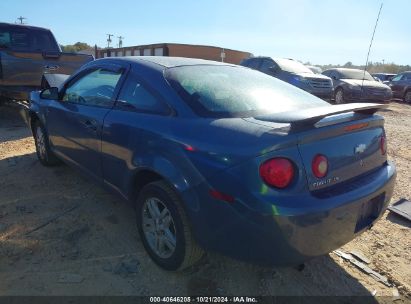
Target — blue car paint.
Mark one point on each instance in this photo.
(198, 154)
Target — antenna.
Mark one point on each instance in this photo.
(109, 40)
(369, 49)
(21, 18)
(120, 41)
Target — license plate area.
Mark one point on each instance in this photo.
(369, 212)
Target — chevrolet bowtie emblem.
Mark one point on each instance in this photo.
(360, 148)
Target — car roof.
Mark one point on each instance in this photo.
(383, 74)
(343, 69)
(24, 26)
(169, 62)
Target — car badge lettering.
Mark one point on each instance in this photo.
(327, 181)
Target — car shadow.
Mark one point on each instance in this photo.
(12, 122)
(320, 277)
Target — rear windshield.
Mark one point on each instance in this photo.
(31, 40)
(292, 66)
(355, 74)
(229, 91)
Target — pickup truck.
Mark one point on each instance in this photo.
(26, 54)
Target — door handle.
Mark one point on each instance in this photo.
(51, 67)
(91, 124)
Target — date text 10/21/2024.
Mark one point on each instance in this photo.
(203, 299)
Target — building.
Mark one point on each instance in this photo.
(177, 50)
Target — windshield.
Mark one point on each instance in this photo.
(229, 91)
(356, 74)
(292, 66)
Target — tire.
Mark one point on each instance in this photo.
(43, 151)
(407, 96)
(339, 96)
(164, 228)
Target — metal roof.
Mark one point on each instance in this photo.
(169, 62)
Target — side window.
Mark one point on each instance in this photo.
(43, 41)
(5, 38)
(398, 77)
(94, 89)
(254, 64)
(266, 65)
(139, 97)
(27, 40)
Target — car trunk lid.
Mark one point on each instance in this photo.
(348, 135)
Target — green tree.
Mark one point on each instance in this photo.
(78, 46)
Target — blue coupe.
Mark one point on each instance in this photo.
(219, 157)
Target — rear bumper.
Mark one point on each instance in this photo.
(290, 237)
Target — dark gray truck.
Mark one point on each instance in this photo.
(26, 54)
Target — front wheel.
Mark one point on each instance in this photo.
(407, 97)
(164, 228)
(43, 151)
(339, 96)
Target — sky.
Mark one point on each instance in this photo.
(318, 31)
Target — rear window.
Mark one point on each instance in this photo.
(229, 91)
(356, 74)
(32, 40)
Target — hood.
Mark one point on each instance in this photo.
(367, 83)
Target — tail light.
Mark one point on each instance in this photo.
(319, 166)
(277, 172)
(383, 145)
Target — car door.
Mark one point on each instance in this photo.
(75, 122)
(26, 55)
(131, 130)
(397, 84)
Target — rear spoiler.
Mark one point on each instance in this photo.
(307, 118)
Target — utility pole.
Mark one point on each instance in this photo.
(120, 41)
(383, 61)
(21, 18)
(109, 40)
(222, 55)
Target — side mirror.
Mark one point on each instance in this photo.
(333, 77)
(51, 94)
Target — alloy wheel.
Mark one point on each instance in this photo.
(339, 97)
(158, 227)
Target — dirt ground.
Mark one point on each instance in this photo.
(90, 245)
